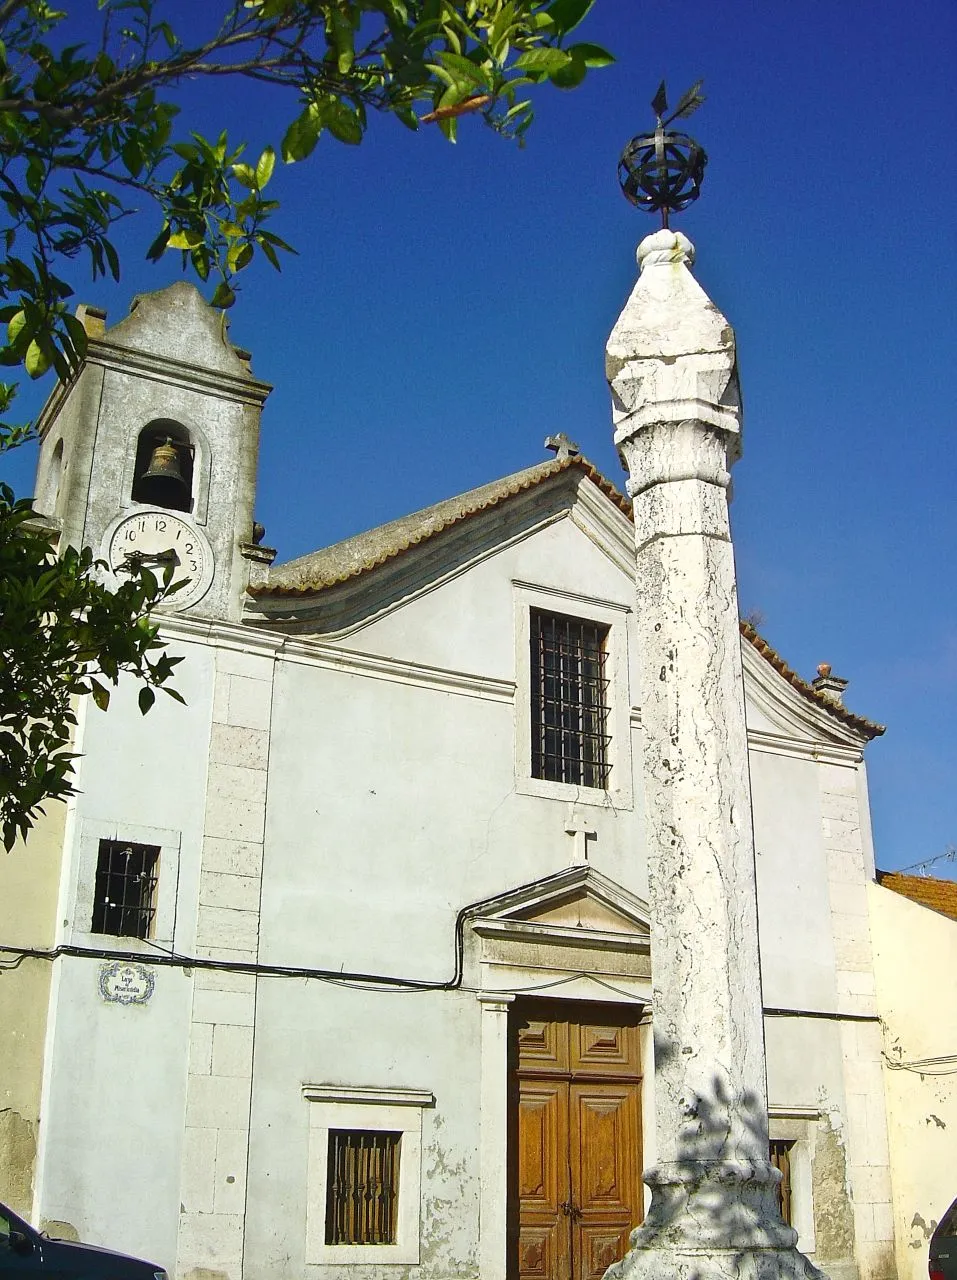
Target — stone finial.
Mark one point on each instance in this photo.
(671, 355)
(562, 446)
(93, 319)
(829, 687)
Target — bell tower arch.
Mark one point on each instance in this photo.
(156, 440)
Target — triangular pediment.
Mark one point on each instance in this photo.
(577, 903)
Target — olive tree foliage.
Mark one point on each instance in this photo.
(90, 134)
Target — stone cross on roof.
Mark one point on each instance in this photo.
(562, 446)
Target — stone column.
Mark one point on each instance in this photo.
(677, 412)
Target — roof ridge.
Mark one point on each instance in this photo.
(926, 891)
(869, 728)
(459, 508)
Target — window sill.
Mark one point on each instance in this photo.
(599, 797)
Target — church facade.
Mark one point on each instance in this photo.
(343, 969)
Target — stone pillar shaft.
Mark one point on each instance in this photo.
(676, 405)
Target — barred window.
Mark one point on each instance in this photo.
(780, 1155)
(362, 1186)
(569, 700)
(124, 896)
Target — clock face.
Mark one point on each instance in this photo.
(156, 538)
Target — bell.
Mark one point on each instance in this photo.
(164, 466)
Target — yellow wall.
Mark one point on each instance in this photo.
(29, 881)
(915, 963)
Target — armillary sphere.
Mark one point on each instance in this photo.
(662, 172)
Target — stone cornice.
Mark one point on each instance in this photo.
(109, 355)
(319, 653)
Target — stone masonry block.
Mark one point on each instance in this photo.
(218, 889)
(871, 1183)
(229, 818)
(221, 698)
(233, 1007)
(863, 1222)
(234, 857)
(848, 899)
(213, 1241)
(237, 662)
(842, 835)
(883, 1221)
(217, 1102)
(199, 1170)
(232, 1051)
(223, 980)
(237, 955)
(849, 952)
(231, 1151)
(860, 984)
(200, 1049)
(845, 865)
(250, 702)
(221, 926)
(235, 744)
(237, 782)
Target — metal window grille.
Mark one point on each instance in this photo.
(569, 700)
(125, 892)
(780, 1155)
(362, 1192)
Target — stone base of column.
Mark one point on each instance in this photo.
(713, 1220)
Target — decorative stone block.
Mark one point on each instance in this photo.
(239, 893)
(200, 1049)
(237, 781)
(224, 1006)
(228, 818)
(199, 1170)
(232, 1053)
(250, 702)
(235, 744)
(232, 1147)
(234, 857)
(221, 926)
(217, 1102)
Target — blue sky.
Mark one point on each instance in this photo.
(449, 307)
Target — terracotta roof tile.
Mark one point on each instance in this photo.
(366, 551)
(938, 895)
(866, 727)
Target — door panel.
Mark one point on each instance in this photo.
(543, 1181)
(597, 1049)
(605, 1174)
(577, 1179)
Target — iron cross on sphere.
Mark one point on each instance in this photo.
(663, 171)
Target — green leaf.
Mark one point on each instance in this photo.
(246, 175)
(301, 136)
(465, 71)
(567, 14)
(546, 61)
(224, 296)
(265, 166)
(100, 694)
(343, 123)
(185, 240)
(16, 326)
(593, 55)
(37, 360)
(569, 76)
(146, 697)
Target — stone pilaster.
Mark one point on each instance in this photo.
(676, 408)
(219, 1087)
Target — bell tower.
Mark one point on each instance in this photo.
(149, 454)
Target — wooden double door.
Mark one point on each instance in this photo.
(575, 1167)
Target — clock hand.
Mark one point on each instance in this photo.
(133, 559)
